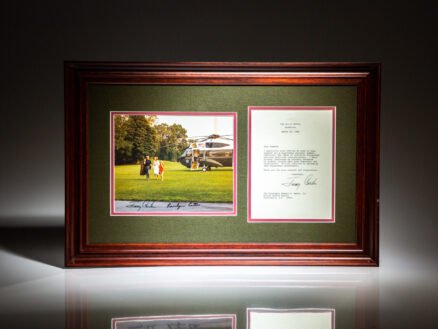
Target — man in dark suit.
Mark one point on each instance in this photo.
(147, 166)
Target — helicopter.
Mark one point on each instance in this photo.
(207, 152)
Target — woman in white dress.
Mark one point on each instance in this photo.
(156, 168)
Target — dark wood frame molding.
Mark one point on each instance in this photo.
(366, 76)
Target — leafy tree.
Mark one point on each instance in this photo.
(142, 136)
(136, 136)
(122, 147)
(172, 141)
(151, 119)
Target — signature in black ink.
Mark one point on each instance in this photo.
(310, 180)
(144, 204)
(148, 204)
(292, 183)
(151, 204)
(176, 205)
(179, 205)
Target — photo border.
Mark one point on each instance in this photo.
(112, 164)
(233, 318)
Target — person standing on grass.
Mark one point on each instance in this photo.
(147, 167)
(161, 167)
(142, 167)
(156, 168)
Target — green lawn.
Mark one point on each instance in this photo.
(180, 184)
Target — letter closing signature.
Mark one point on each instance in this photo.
(294, 183)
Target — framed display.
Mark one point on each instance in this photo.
(222, 163)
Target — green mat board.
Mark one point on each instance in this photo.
(103, 228)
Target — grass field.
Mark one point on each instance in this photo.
(180, 184)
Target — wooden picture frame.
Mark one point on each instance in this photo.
(363, 251)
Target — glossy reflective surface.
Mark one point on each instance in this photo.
(36, 292)
(96, 296)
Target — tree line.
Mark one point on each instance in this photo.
(136, 136)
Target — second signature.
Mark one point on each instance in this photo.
(295, 183)
(153, 204)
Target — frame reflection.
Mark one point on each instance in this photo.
(134, 299)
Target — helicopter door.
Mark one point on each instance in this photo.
(195, 159)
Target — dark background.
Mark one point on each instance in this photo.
(38, 36)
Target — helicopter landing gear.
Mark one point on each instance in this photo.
(206, 168)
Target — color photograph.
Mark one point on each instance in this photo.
(173, 163)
